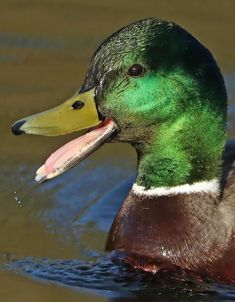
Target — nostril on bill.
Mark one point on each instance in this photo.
(16, 128)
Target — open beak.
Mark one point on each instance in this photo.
(77, 113)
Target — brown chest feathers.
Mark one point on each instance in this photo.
(191, 232)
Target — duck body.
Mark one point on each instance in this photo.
(190, 231)
(153, 85)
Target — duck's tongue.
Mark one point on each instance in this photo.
(75, 151)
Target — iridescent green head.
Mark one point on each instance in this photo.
(165, 91)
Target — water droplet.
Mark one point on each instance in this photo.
(17, 199)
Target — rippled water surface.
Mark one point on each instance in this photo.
(52, 236)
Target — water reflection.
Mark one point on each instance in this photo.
(116, 281)
(108, 276)
(83, 207)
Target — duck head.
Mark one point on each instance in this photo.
(153, 85)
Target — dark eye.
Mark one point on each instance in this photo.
(136, 70)
(77, 105)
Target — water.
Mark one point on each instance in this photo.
(52, 236)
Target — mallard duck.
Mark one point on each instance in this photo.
(153, 85)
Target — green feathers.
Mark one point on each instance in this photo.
(174, 114)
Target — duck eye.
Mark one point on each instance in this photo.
(136, 70)
(77, 105)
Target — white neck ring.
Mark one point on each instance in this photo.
(207, 186)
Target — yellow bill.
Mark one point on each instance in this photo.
(77, 113)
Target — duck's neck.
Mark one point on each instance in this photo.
(174, 156)
(172, 215)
